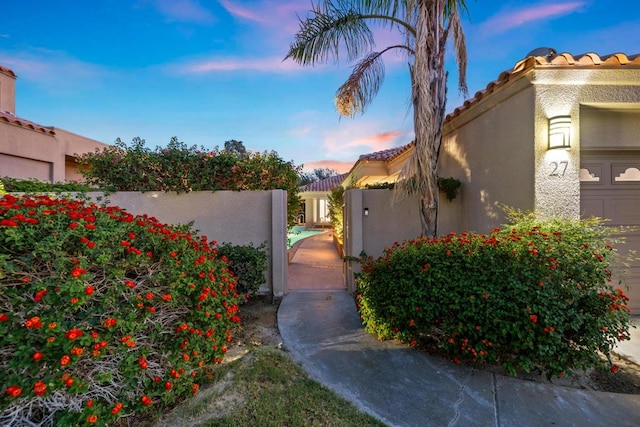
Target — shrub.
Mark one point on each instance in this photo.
(248, 263)
(336, 203)
(535, 295)
(103, 314)
(14, 185)
(180, 168)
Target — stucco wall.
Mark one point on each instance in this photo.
(20, 143)
(490, 150)
(224, 216)
(564, 92)
(388, 221)
(7, 92)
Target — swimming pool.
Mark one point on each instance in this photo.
(298, 232)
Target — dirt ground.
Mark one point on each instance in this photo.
(259, 328)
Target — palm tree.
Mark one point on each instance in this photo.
(343, 25)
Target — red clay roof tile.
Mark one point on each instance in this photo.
(326, 184)
(12, 119)
(561, 60)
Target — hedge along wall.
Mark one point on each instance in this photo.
(240, 218)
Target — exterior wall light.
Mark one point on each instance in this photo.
(366, 211)
(560, 132)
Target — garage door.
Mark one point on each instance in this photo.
(610, 188)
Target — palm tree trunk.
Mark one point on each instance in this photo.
(429, 100)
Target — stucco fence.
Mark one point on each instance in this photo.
(373, 220)
(241, 218)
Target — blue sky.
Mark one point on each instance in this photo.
(208, 71)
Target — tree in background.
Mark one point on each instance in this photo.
(343, 25)
(317, 174)
(235, 147)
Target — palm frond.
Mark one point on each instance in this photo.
(328, 29)
(361, 87)
(363, 84)
(460, 47)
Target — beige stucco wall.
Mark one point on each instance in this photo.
(7, 92)
(21, 147)
(224, 216)
(498, 148)
(564, 92)
(489, 148)
(388, 221)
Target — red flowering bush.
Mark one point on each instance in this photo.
(103, 314)
(532, 296)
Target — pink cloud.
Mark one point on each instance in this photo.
(217, 65)
(345, 144)
(183, 11)
(53, 69)
(241, 12)
(336, 165)
(508, 20)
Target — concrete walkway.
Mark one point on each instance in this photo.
(321, 328)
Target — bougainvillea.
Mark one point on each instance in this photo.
(103, 314)
(535, 295)
(178, 167)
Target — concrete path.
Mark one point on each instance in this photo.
(402, 387)
(315, 264)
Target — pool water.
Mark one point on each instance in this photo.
(298, 232)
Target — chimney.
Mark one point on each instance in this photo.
(7, 90)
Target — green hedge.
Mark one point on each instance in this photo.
(535, 295)
(178, 167)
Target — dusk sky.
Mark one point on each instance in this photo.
(208, 71)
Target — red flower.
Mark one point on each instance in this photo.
(33, 322)
(77, 272)
(92, 419)
(68, 382)
(614, 369)
(14, 391)
(38, 296)
(167, 385)
(116, 408)
(88, 290)
(89, 403)
(534, 318)
(146, 401)
(39, 388)
(143, 362)
(73, 334)
(64, 361)
(77, 351)
(3, 317)
(110, 322)
(37, 356)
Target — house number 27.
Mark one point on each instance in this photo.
(559, 168)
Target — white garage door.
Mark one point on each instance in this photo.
(610, 188)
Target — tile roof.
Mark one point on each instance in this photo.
(7, 71)
(326, 184)
(5, 116)
(555, 61)
(386, 155)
